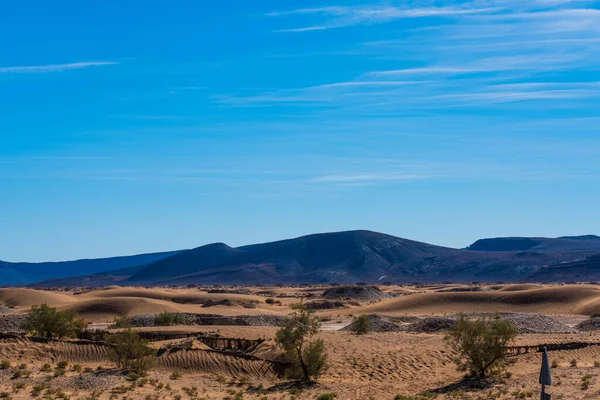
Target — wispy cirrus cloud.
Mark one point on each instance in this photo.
(457, 55)
(55, 67)
(370, 14)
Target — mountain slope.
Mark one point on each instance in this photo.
(342, 256)
(26, 273)
(349, 257)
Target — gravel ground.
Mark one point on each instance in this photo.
(213, 319)
(380, 323)
(363, 293)
(433, 324)
(11, 323)
(6, 310)
(88, 381)
(592, 324)
(528, 322)
(523, 322)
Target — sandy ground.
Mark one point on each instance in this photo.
(376, 365)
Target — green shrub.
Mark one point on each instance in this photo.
(121, 323)
(4, 364)
(481, 345)
(168, 319)
(326, 396)
(131, 353)
(361, 325)
(307, 358)
(48, 322)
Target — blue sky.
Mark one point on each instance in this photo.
(139, 126)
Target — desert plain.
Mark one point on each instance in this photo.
(226, 348)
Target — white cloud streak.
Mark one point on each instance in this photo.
(339, 17)
(55, 67)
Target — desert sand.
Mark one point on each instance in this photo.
(377, 365)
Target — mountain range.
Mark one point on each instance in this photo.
(344, 257)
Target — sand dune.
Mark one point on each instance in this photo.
(29, 297)
(174, 295)
(573, 299)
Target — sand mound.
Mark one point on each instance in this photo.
(519, 287)
(230, 303)
(570, 299)
(362, 293)
(30, 297)
(175, 296)
(108, 308)
(592, 324)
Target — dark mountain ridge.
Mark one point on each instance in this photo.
(352, 256)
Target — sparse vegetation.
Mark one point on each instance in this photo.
(307, 358)
(131, 353)
(585, 382)
(361, 325)
(169, 319)
(573, 363)
(47, 322)
(273, 302)
(326, 396)
(121, 323)
(481, 345)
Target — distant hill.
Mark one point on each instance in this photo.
(353, 256)
(348, 257)
(26, 273)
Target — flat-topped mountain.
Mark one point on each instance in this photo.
(586, 242)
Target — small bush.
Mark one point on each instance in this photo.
(21, 373)
(121, 323)
(4, 364)
(131, 353)
(481, 345)
(554, 364)
(168, 319)
(175, 375)
(573, 363)
(307, 358)
(48, 322)
(326, 396)
(46, 368)
(361, 325)
(62, 364)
